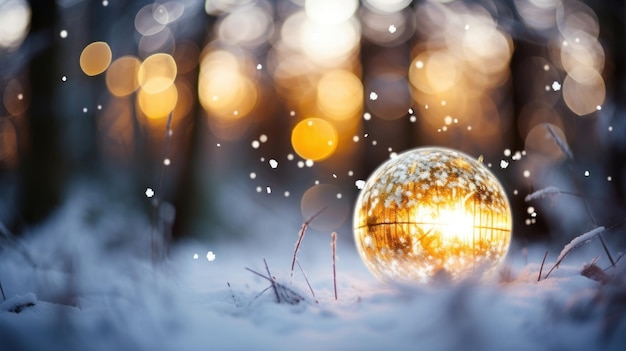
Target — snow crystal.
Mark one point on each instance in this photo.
(360, 184)
(252, 175)
(309, 163)
(195, 256)
(367, 116)
(259, 66)
(210, 256)
(586, 173)
(63, 34)
(504, 164)
(556, 86)
(526, 174)
(392, 29)
(273, 163)
(149, 192)
(64, 78)
(166, 161)
(373, 96)
(268, 189)
(609, 178)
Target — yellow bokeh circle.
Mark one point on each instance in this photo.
(121, 77)
(314, 139)
(157, 73)
(95, 58)
(160, 104)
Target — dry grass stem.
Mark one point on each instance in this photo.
(305, 225)
(333, 245)
(542, 263)
(282, 293)
(307, 282)
(563, 145)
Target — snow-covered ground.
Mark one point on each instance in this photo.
(93, 287)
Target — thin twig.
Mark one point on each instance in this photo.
(307, 282)
(333, 245)
(542, 263)
(288, 295)
(267, 268)
(305, 225)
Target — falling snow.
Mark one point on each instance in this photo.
(373, 96)
(392, 29)
(273, 163)
(556, 86)
(210, 256)
(149, 192)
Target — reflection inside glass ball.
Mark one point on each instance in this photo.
(432, 212)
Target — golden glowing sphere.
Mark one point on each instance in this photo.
(432, 212)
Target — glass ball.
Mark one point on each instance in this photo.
(432, 212)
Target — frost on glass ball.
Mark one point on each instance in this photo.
(432, 212)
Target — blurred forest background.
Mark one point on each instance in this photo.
(271, 97)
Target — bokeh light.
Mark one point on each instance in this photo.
(14, 22)
(121, 77)
(328, 199)
(314, 139)
(540, 143)
(16, 98)
(158, 104)
(583, 90)
(340, 94)
(157, 73)
(95, 58)
(225, 92)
